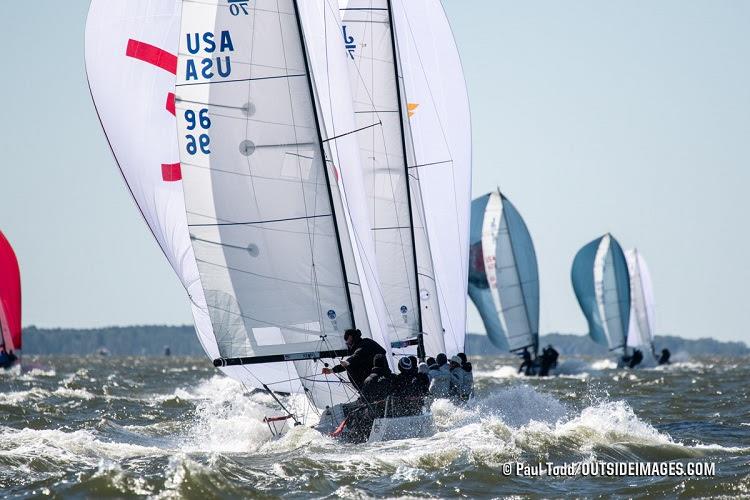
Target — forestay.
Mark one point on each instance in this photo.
(396, 216)
(641, 329)
(503, 274)
(272, 233)
(440, 157)
(602, 286)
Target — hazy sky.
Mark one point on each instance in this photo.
(625, 116)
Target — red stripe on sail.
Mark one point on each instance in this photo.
(170, 103)
(171, 172)
(152, 55)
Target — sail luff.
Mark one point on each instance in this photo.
(515, 250)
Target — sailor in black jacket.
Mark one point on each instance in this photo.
(360, 362)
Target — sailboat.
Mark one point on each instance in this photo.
(602, 286)
(10, 304)
(641, 329)
(503, 274)
(274, 191)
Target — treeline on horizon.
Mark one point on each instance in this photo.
(151, 340)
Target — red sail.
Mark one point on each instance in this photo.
(10, 296)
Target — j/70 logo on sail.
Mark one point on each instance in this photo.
(238, 6)
(349, 42)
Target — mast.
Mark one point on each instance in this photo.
(420, 334)
(323, 159)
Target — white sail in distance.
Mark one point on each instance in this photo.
(439, 124)
(641, 329)
(282, 257)
(503, 274)
(394, 200)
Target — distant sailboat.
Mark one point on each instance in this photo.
(503, 274)
(641, 330)
(10, 303)
(602, 286)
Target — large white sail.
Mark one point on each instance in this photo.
(641, 329)
(440, 129)
(503, 278)
(271, 230)
(394, 200)
(131, 59)
(131, 62)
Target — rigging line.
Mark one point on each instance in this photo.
(269, 221)
(431, 164)
(352, 132)
(239, 80)
(387, 228)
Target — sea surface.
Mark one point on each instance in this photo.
(84, 427)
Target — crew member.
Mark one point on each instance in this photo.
(527, 365)
(635, 359)
(665, 355)
(360, 362)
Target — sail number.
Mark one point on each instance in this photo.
(237, 6)
(197, 141)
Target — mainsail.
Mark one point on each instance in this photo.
(641, 330)
(396, 214)
(439, 125)
(602, 286)
(131, 62)
(268, 155)
(10, 298)
(503, 274)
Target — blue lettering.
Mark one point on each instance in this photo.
(206, 71)
(208, 40)
(228, 70)
(226, 41)
(190, 72)
(191, 49)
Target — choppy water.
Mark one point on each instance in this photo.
(172, 427)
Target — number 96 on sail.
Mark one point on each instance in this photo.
(198, 124)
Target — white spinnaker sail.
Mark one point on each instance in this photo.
(393, 197)
(440, 128)
(515, 313)
(641, 329)
(131, 60)
(607, 294)
(131, 48)
(267, 218)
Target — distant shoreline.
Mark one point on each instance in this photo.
(151, 340)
